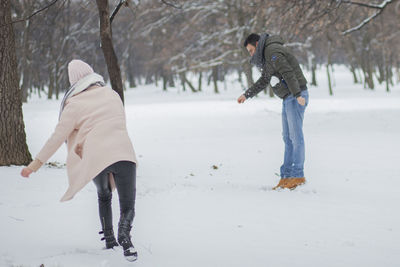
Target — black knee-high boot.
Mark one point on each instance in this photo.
(105, 213)
(124, 237)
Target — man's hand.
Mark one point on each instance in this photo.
(241, 99)
(301, 100)
(26, 172)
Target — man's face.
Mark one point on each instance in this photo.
(251, 48)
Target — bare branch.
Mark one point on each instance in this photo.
(362, 24)
(117, 8)
(30, 16)
(381, 7)
(170, 4)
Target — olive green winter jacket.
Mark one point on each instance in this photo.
(279, 62)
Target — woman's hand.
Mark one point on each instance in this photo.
(26, 172)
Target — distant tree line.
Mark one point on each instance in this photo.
(162, 41)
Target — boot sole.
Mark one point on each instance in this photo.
(294, 187)
(131, 258)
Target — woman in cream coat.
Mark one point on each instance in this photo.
(92, 123)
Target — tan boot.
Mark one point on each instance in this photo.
(281, 184)
(294, 182)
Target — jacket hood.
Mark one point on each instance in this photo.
(274, 39)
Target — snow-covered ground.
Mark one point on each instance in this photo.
(190, 214)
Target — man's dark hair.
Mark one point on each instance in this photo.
(252, 39)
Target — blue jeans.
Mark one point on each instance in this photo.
(292, 124)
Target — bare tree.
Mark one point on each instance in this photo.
(108, 49)
(156, 40)
(13, 147)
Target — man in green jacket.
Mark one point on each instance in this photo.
(269, 55)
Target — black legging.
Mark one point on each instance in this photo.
(125, 180)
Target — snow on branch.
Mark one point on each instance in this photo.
(376, 6)
(306, 44)
(219, 60)
(172, 5)
(156, 25)
(381, 7)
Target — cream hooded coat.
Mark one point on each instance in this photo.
(93, 123)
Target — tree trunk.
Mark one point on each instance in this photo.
(369, 76)
(215, 79)
(165, 81)
(240, 80)
(271, 92)
(51, 83)
(313, 74)
(367, 64)
(381, 71)
(26, 61)
(188, 83)
(171, 81)
(108, 50)
(57, 80)
(209, 79)
(328, 64)
(387, 70)
(388, 75)
(249, 74)
(387, 79)
(182, 77)
(200, 77)
(132, 82)
(333, 76)
(13, 147)
(148, 79)
(329, 80)
(130, 69)
(353, 71)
